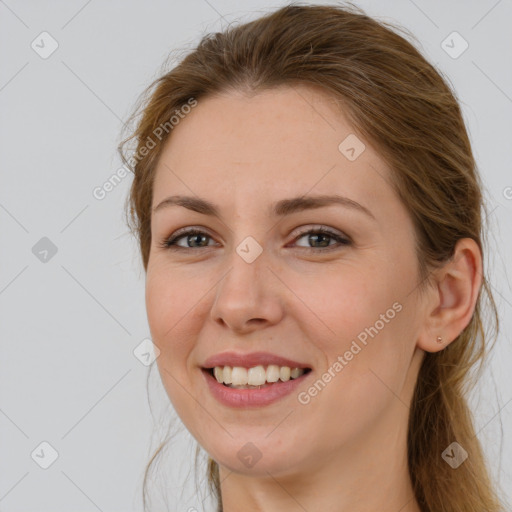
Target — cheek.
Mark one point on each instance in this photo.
(170, 304)
(362, 317)
(342, 302)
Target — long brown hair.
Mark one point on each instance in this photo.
(403, 105)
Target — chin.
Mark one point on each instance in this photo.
(257, 456)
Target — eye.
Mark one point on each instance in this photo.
(323, 236)
(194, 238)
(191, 236)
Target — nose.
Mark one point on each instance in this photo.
(248, 297)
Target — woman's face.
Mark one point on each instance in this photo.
(251, 281)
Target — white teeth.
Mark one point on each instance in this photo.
(295, 372)
(239, 376)
(218, 373)
(284, 373)
(228, 379)
(272, 373)
(256, 375)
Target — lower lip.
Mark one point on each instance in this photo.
(252, 397)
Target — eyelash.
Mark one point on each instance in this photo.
(170, 243)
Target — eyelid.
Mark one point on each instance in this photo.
(321, 228)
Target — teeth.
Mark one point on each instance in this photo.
(295, 372)
(256, 376)
(273, 373)
(226, 375)
(239, 376)
(218, 373)
(284, 373)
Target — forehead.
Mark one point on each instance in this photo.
(279, 142)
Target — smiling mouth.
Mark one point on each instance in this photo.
(256, 377)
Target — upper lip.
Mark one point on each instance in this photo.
(250, 360)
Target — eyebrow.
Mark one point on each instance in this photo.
(278, 209)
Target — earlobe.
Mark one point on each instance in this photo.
(451, 300)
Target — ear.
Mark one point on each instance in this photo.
(451, 301)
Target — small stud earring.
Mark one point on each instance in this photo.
(439, 339)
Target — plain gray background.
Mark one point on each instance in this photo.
(71, 319)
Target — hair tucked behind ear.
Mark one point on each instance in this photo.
(401, 103)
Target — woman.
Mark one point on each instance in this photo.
(309, 217)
